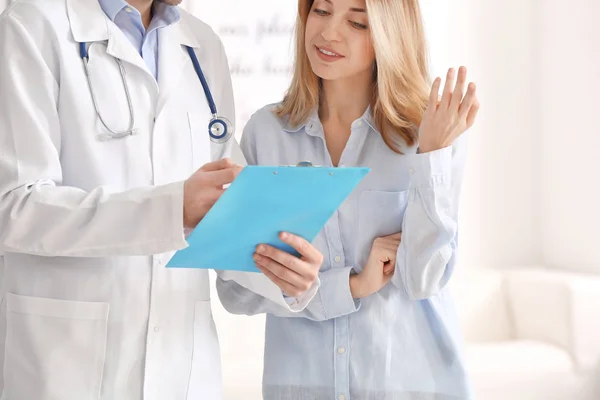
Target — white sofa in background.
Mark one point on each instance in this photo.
(531, 334)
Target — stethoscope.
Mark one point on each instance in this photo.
(220, 129)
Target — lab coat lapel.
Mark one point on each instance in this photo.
(120, 47)
(90, 24)
(173, 59)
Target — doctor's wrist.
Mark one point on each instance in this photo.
(187, 223)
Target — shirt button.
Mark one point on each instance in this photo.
(338, 258)
(341, 397)
(341, 350)
(359, 123)
(128, 9)
(412, 171)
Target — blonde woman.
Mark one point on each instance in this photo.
(382, 326)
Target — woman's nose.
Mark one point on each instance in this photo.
(331, 31)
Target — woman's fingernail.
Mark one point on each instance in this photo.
(284, 235)
(260, 249)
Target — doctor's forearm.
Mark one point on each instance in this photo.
(48, 220)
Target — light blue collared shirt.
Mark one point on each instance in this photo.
(129, 20)
(402, 343)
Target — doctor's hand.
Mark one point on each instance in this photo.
(449, 117)
(379, 269)
(294, 275)
(203, 189)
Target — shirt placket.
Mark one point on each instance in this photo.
(341, 333)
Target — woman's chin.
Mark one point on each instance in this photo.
(328, 74)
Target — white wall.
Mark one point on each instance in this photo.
(531, 194)
(495, 40)
(569, 38)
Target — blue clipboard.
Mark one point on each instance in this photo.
(260, 203)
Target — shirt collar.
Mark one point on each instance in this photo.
(112, 7)
(163, 12)
(313, 121)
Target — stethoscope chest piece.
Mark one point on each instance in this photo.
(220, 129)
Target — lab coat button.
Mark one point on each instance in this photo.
(156, 329)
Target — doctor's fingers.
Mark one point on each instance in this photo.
(220, 177)
(219, 164)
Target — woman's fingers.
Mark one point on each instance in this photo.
(434, 95)
(286, 287)
(294, 282)
(447, 94)
(302, 246)
(459, 89)
(472, 114)
(468, 101)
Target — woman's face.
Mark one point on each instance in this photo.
(337, 38)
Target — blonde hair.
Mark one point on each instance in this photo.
(401, 89)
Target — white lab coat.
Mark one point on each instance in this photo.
(86, 226)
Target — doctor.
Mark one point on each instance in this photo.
(114, 125)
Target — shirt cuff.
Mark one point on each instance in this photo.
(431, 169)
(335, 293)
(263, 286)
(297, 304)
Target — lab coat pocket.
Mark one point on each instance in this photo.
(55, 349)
(200, 149)
(380, 214)
(205, 377)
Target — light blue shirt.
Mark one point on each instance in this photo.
(129, 20)
(402, 343)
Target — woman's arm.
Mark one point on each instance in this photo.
(427, 251)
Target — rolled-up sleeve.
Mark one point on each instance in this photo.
(427, 252)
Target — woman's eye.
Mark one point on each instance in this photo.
(320, 12)
(358, 25)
